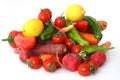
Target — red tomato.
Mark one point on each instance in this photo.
(69, 43)
(11, 37)
(49, 65)
(57, 39)
(82, 25)
(94, 64)
(84, 69)
(60, 22)
(76, 49)
(48, 11)
(58, 60)
(34, 62)
(64, 37)
(43, 16)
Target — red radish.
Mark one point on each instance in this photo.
(23, 54)
(50, 48)
(71, 61)
(24, 42)
(99, 57)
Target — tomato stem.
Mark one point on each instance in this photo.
(10, 39)
(29, 64)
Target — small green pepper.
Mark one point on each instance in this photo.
(74, 34)
(97, 48)
(48, 32)
(92, 49)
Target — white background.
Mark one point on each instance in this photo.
(13, 13)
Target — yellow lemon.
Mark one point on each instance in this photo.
(75, 12)
(32, 28)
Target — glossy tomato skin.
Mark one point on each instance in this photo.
(49, 65)
(49, 12)
(57, 39)
(12, 34)
(82, 25)
(76, 49)
(94, 64)
(11, 37)
(69, 43)
(60, 22)
(34, 62)
(84, 69)
(43, 17)
(57, 60)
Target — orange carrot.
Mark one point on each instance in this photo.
(45, 56)
(103, 24)
(107, 44)
(90, 38)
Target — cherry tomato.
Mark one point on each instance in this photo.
(76, 49)
(64, 37)
(84, 69)
(70, 43)
(94, 64)
(34, 62)
(43, 16)
(58, 61)
(10, 38)
(60, 22)
(57, 39)
(82, 25)
(49, 12)
(49, 65)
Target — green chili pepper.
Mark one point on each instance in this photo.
(74, 34)
(48, 32)
(92, 49)
(97, 48)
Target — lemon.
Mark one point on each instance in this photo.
(32, 28)
(74, 12)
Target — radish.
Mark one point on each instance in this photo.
(71, 61)
(99, 57)
(23, 54)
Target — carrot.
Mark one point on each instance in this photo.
(45, 56)
(90, 38)
(103, 24)
(107, 44)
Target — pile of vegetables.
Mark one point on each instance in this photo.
(70, 41)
